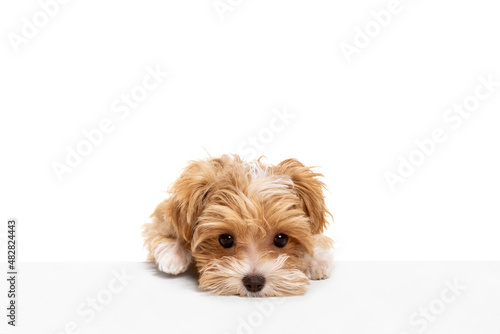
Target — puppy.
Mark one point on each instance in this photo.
(251, 229)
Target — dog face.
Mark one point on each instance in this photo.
(248, 226)
(251, 239)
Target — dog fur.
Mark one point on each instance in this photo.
(252, 202)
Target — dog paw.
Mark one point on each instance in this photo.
(320, 265)
(172, 258)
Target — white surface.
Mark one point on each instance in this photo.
(361, 297)
(352, 119)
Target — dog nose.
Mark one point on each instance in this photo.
(254, 283)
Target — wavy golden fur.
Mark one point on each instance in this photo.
(252, 202)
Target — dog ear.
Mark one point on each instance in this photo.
(188, 194)
(309, 189)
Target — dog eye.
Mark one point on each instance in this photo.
(226, 240)
(280, 240)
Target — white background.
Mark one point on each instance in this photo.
(225, 78)
(361, 297)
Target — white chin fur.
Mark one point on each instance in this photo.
(172, 258)
(280, 281)
(320, 265)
